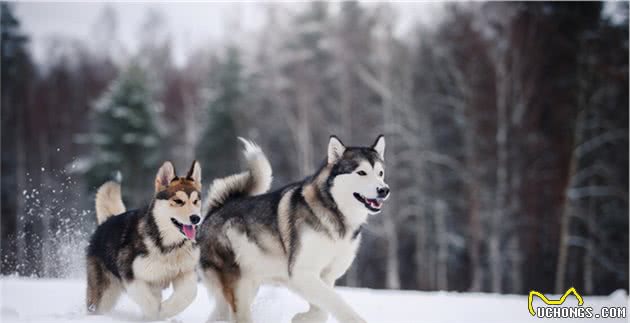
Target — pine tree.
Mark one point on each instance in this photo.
(219, 137)
(125, 136)
(17, 74)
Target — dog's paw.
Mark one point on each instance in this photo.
(351, 319)
(310, 317)
(151, 316)
(219, 318)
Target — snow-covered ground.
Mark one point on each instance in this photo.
(56, 301)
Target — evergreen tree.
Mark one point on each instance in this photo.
(17, 74)
(219, 137)
(126, 137)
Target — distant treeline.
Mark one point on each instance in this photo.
(506, 124)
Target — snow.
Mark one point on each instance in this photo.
(57, 300)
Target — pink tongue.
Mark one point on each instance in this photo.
(190, 231)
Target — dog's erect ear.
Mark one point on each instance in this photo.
(335, 149)
(194, 173)
(164, 176)
(379, 146)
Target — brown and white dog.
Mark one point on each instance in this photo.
(143, 251)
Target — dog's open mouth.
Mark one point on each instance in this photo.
(189, 230)
(371, 204)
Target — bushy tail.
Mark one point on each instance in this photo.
(256, 180)
(108, 201)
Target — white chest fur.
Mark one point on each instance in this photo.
(161, 268)
(319, 254)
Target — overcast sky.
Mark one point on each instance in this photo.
(190, 25)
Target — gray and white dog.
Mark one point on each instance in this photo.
(304, 235)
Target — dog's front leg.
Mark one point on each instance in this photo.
(145, 295)
(323, 295)
(184, 292)
(315, 313)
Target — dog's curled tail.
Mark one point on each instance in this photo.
(109, 201)
(256, 180)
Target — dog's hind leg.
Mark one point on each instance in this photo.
(146, 297)
(111, 296)
(103, 289)
(184, 292)
(221, 311)
(96, 284)
(243, 291)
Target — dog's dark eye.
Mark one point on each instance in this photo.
(380, 174)
(196, 202)
(361, 173)
(178, 201)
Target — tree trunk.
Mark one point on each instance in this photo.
(393, 275)
(516, 261)
(420, 255)
(567, 210)
(442, 239)
(589, 251)
(563, 248)
(496, 225)
(304, 132)
(475, 227)
(20, 210)
(474, 250)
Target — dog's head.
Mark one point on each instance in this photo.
(357, 176)
(178, 200)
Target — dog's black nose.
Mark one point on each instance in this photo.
(194, 219)
(382, 192)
